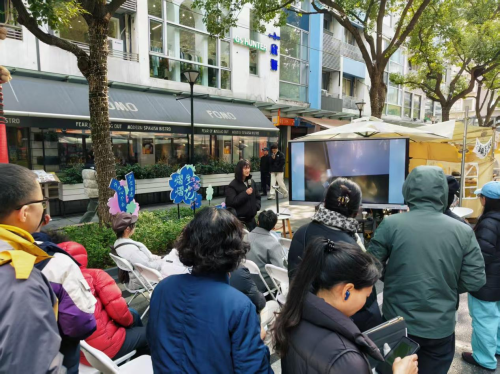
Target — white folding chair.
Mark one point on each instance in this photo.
(254, 269)
(126, 266)
(84, 369)
(152, 278)
(100, 361)
(279, 276)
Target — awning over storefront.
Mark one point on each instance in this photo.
(48, 103)
(324, 122)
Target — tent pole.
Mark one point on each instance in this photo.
(464, 151)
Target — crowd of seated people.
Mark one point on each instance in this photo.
(205, 313)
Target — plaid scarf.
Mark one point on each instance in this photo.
(334, 219)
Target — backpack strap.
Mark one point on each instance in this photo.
(121, 245)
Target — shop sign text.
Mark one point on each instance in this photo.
(250, 43)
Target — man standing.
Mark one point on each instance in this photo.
(429, 258)
(265, 175)
(277, 172)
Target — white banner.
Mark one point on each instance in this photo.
(482, 150)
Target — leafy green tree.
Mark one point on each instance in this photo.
(362, 18)
(453, 46)
(487, 97)
(34, 15)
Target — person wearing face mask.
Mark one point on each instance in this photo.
(76, 319)
(28, 305)
(313, 332)
(242, 195)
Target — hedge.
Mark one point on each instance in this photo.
(158, 230)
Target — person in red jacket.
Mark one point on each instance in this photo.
(119, 330)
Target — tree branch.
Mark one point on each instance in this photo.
(380, 25)
(367, 15)
(25, 19)
(401, 19)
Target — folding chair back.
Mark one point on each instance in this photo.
(152, 276)
(254, 270)
(99, 360)
(279, 276)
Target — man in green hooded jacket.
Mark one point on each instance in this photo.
(429, 258)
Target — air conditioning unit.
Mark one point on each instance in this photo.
(115, 44)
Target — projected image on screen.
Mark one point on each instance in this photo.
(378, 166)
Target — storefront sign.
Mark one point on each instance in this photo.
(250, 43)
(234, 132)
(221, 115)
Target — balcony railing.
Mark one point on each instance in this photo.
(127, 56)
(349, 102)
(13, 32)
(331, 102)
(334, 48)
(129, 6)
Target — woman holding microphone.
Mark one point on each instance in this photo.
(242, 195)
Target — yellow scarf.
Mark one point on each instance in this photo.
(25, 254)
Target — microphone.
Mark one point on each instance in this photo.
(249, 183)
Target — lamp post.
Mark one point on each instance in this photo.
(192, 76)
(360, 106)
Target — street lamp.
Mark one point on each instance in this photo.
(192, 77)
(360, 106)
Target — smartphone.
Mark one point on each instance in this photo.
(405, 347)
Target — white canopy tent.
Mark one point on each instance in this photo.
(368, 127)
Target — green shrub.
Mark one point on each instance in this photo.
(72, 175)
(157, 230)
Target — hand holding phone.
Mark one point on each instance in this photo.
(405, 347)
(407, 365)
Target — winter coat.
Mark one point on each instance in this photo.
(241, 279)
(450, 213)
(264, 249)
(90, 183)
(246, 205)
(278, 163)
(137, 253)
(111, 311)
(200, 324)
(326, 341)
(429, 258)
(265, 164)
(29, 335)
(488, 236)
(369, 316)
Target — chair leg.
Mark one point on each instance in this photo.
(132, 299)
(145, 312)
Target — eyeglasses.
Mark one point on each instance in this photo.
(43, 202)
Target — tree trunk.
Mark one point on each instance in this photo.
(378, 93)
(97, 77)
(446, 109)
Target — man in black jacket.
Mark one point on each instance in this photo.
(265, 175)
(277, 168)
(453, 190)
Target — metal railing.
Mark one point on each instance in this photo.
(127, 56)
(13, 32)
(331, 102)
(334, 48)
(130, 6)
(349, 102)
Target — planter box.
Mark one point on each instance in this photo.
(219, 180)
(72, 192)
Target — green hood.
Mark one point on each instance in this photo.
(426, 188)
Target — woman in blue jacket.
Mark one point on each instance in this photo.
(199, 323)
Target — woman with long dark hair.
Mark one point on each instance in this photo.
(484, 305)
(243, 195)
(313, 332)
(335, 220)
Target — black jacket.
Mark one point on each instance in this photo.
(265, 164)
(278, 163)
(306, 234)
(449, 213)
(241, 279)
(369, 316)
(488, 236)
(246, 205)
(327, 342)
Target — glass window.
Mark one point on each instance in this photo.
(395, 68)
(185, 16)
(349, 37)
(156, 36)
(290, 41)
(45, 150)
(192, 46)
(347, 87)
(393, 110)
(201, 148)
(325, 80)
(417, 105)
(165, 68)
(304, 54)
(254, 35)
(76, 30)
(300, 21)
(254, 61)
(407, 104)
(393, 96)
(225, 54)
(293, 92)
(387, 20)
(244, 148)
(225, 79)
(289, 70)
(154, 8)
(114, 28)
(17, 142)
